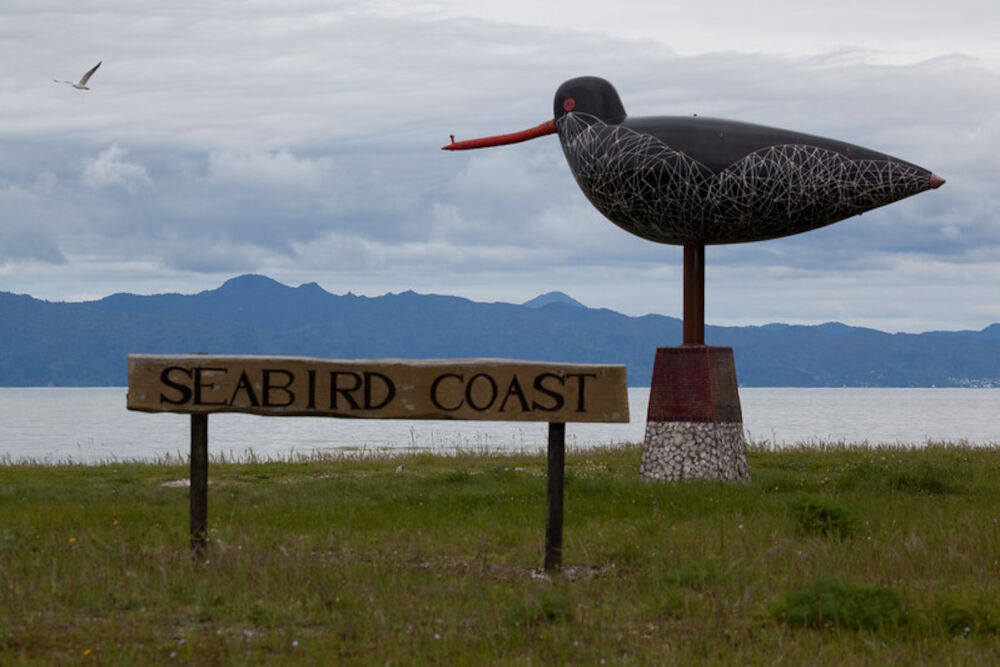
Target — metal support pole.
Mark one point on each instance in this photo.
(694, 294)
(554, 523)
(199, 483)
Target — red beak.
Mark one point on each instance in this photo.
(548, 127)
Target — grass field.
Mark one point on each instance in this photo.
(830, 555)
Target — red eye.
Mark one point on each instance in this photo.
(569, 104)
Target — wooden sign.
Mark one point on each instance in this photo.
(473, 389)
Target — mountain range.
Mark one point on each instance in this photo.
(86, 343)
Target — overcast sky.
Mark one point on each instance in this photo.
(301, 140)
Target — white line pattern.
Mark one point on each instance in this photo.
(660, 194)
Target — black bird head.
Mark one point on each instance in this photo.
(589, 95)
(585, 96)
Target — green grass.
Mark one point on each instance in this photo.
(830, 555)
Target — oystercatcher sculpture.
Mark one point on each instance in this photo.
(695, 181)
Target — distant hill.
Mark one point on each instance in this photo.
(86, 344)
(552, 297)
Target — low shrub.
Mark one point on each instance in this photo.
(925, 479)
(822, 516)
(827, 602)
(964, 616)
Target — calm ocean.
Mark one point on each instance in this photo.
(90, 425)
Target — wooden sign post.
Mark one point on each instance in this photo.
(467, 389)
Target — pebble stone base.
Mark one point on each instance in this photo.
(694, 450)
(694, 425)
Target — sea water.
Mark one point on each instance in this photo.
(90, 425)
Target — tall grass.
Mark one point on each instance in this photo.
(831, 554)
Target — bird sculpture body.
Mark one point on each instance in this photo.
(82, 83)
(691, 180)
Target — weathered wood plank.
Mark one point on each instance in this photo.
(472, 389)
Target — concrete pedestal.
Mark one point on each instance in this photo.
(694, 425)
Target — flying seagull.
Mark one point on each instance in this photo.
(82, 83)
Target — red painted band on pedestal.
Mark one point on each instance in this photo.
(694, 383)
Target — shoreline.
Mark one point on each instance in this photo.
(395, 454)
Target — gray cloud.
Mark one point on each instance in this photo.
(111, 169)
(302, 140)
